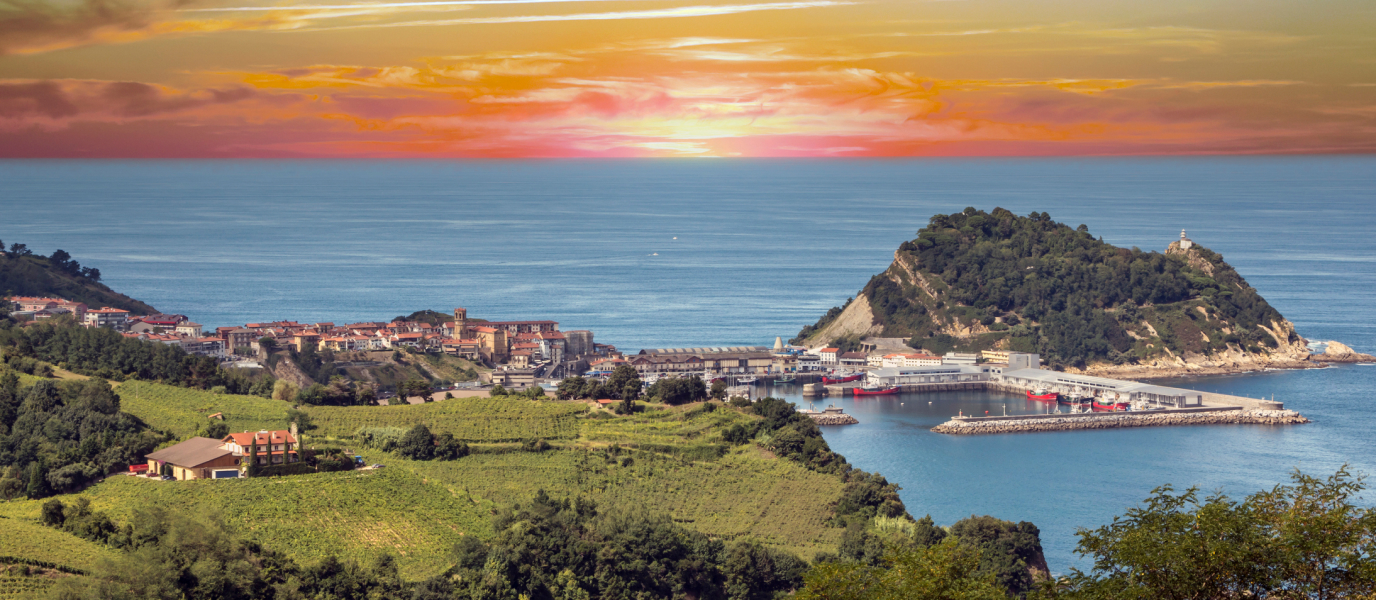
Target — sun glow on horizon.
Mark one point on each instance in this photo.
(700, 78)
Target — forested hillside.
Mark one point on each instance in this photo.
(23, 273)
(975, 280)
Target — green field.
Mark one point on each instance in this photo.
(354, 515)
(502, 419)
(183, 411)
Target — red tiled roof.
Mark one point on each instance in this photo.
(246, 438)
(828, 349)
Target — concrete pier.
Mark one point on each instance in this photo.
(1228, 415)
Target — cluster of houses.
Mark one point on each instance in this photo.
(517, 344)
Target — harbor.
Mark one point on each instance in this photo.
(1071, 401)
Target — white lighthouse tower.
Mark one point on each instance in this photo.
(1185, 243)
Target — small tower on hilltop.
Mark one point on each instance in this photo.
(778, 345)
(1185, 243)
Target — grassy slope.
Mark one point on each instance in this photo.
(183, 411)
(355, 515)
(746, 493)
(34, 276)
(469, 419)
(26, 538)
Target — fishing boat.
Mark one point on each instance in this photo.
(876, 391)
(1106, 405)
(847, 379)
(786, 379)
(1042, 395)
(747, 380)
(1075, 399)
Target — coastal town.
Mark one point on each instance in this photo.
(523, 354)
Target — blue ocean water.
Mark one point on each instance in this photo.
(660, 253)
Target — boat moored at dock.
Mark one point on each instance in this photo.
(876, 391)
(1043, 395)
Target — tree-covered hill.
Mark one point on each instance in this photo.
(977, 280)
(23, 273)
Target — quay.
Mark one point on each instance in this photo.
(1221, 415)
(1148, 404)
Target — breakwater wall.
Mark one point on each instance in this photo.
(833, 419)
(1232, 415)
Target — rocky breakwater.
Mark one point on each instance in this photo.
(1112, 420)
(834, 419)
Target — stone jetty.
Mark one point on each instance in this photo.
(1038, 423)
(833, 419)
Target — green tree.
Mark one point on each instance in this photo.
(718, 391)
(418, 443)
(497, 390)
(624, 381)
(268, 344)
(945, 571)
(1305, 540)
(216, 430)
(284, 390)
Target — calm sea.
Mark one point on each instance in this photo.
(661, 253)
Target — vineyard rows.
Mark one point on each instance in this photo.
(184, 411)
(469, 419)
(13, 585)
(353, 515)
(25, 538)
(744, 494)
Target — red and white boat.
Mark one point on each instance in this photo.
(1106, 405)
(847, 379)
(1043, 396)
(876, 391)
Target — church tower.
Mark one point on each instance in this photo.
(460, 322)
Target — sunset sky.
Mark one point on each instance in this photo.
(719, 78)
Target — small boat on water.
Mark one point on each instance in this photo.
(747, 380)
(847, 379)
(876, 391)
(788, 379)
(1042, 395)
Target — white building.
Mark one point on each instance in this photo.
(930, 374)
(957, 358)
(910, 360)
(110, 318)
(828, 355)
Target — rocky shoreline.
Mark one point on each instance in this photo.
(1140, 372)
(1116, 420)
